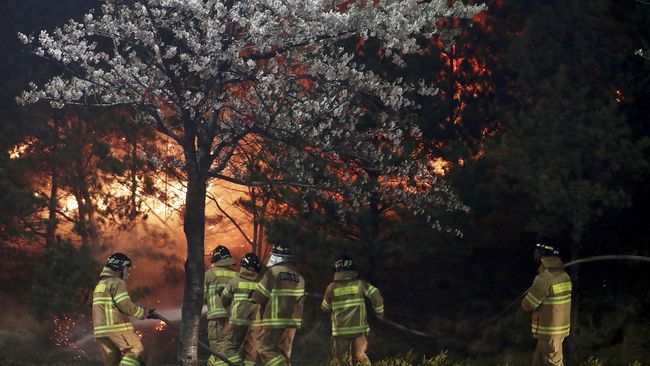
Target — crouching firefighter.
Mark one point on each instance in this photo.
(240, 342)
(549, 301)
(281, 294)
(216, 278)
(112, 307)
(345, 299)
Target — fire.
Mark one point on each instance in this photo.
(160, 326)
(440, 166)
(21, 149)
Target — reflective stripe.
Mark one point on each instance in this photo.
(557, 330)
(370, 290)
(225, 292)
(212, 360)
(326, 305)
(100, 288)
(288, 292)
(347, 290)
(218, 312)
(281, 322)
(106, 329)
(249, 363)
(243, 322)
(121, 297)
(350, 330)
(379, 309)
(245, 285)
(347, 303)
(562, 287)
(233, 359)
(242, 297)
(263, 290)
(126, 360)
(557, 300)
(533, 300)
(277, 360)
(225, 273)
(102, 300)
(139, 312)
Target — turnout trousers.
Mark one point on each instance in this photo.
(123, 349)
(548, 352)
(350, 350)
(216, 335)
(275, 346)
(240, 343)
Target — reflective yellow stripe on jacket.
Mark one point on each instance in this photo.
(216, 279)
(274, 298)
(112, 306)
(549, 298)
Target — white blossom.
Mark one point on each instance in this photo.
(273, 69)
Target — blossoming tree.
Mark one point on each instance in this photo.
(214, 75)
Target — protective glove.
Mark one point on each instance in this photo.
(151, 314)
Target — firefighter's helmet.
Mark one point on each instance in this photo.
(118, 261)
(344, 263)
(220, 253)
(544, 250)
(251, 261)
(280, 254)
(282, 250)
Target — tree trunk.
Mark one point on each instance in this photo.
(133, 212)
(53, 204)
(91, 221)
(194, 227)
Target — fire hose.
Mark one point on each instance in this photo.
(425, 335)
(569, 264)
(516, 301)
(202, 344)
(385, 321)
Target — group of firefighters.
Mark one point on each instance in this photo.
(254, 312)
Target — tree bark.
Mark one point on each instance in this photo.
(194, 227)
(53, 204)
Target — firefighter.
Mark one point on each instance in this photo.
(281, 295)
(549, 301)
(112, 307)
(241, 336)
(216, 278)
(345, 299)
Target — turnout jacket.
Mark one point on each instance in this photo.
(281, 293)
(345, 299)
(238, 293)
(216, 279)
(112, 306)
(549, 298)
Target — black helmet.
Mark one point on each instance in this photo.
(281, 250)
(117, 261)
(544, 250)
(251, 261)
(344, 263)
(279, 254)
(220, 253)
